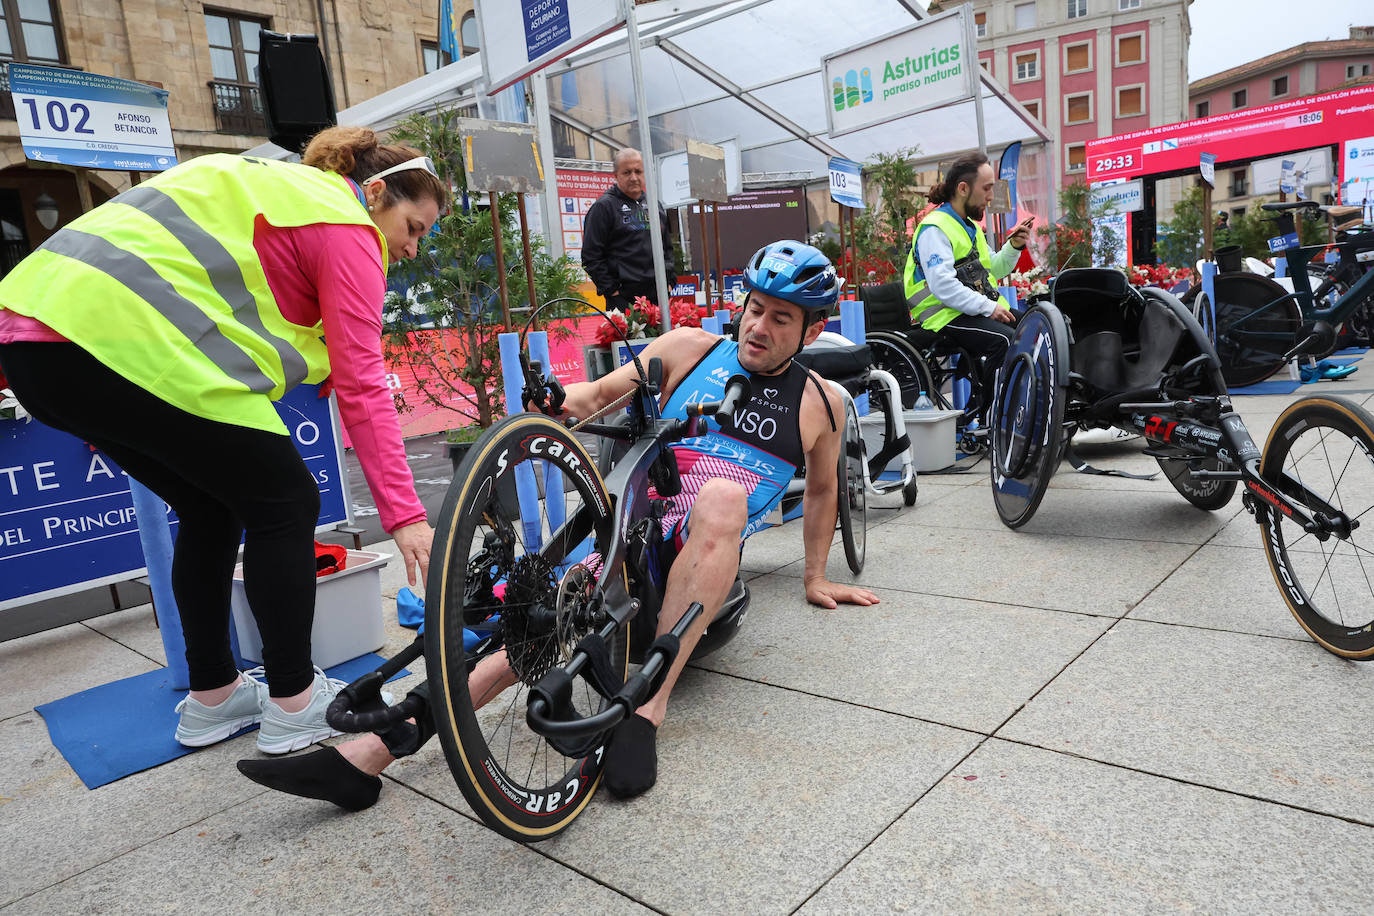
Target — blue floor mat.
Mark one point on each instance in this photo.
(1272, 386)
(127, 726)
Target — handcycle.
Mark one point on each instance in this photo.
(1258, 325)
(1098, 353)
(545, 585)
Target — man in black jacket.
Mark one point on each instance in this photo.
(617, 247)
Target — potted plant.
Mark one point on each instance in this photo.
(443, 315)
(629, 331)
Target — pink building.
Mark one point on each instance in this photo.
(1088, 68)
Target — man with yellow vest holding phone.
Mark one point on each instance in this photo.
(950, 273)
(160, 327)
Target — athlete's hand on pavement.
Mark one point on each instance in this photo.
(824, 593)
(414, 541)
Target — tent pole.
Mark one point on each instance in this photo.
(646, 142)
(975, 80)
(553, 226)
(705, 256)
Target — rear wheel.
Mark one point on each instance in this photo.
(1027, 416)
(852, 496)
(517, 587)
(1252, 330)
(894, 353)
(1321, 452)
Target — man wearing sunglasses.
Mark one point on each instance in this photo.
(161, 326)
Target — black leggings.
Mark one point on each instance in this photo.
(225, 482)
(987, 340)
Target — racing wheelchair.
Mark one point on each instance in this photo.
(1099, 353)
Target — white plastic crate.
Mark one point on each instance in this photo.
(348, 612)
(932, 435)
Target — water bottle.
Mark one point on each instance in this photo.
(924, 403)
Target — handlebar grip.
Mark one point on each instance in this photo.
(736, 391)
(345, 718)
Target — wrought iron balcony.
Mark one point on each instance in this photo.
(238, 108)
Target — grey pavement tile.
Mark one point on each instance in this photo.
(1276, 719)
(779, 789)
(279, 854)
(777, 546)
(52, 827)
(1016, 829)
(1240, 531)
(135, 628)
(56, 663)
(1224, 588)
(914, 655)
(1161, 515)
(1087, 575)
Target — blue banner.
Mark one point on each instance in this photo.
(546, 25)
(1011, 162)
(67, 520)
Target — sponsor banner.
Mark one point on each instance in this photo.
(1126, 197)
(1007, 171)
(1207, 165)
(520, 37)
(1235, 136)
(923, 67)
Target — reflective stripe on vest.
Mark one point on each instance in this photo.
(170, 293)
(929, 313)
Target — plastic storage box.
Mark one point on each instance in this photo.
(348, 612)
(932, 435)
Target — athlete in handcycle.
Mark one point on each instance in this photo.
(1098, 353)
(543, 574)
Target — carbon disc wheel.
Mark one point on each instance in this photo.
(853, 497)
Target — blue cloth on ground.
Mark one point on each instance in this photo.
(410, 610)
(127, 726)
(1272, 386)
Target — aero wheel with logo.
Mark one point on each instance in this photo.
(852, 498)
(512, 577)
(1027, 415)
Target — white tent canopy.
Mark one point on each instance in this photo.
(748, 70)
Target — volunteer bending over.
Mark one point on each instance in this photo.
(161, 326)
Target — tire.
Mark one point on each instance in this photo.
(1327, 444)
(518, 783)
(956, 365)
(1205, 494)
(894, 353)
(1026, 420)
(1249, 345)
(853, 497)
(909, 492)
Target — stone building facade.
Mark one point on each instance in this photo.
(204, 54)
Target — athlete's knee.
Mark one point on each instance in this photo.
(721, 509)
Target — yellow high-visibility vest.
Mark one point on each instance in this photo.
(163, 285)
(928, 312)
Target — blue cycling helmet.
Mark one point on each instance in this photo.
(797, 273)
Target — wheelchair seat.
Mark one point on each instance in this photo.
(847, 366)
(886, 309)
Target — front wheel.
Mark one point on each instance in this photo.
(1321, 451)
(853, 497)
(517, 550)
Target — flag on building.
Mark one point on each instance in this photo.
(448, 30)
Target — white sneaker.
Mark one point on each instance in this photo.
(283, 732)
(201, 725)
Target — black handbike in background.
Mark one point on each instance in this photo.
(545, 585)
(1098, 353)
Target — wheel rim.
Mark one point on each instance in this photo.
(1328, 447)
(854, 484)
(892, 357)
(1026, 420)
(490, 562)
(1249, 345)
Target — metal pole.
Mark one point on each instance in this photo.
(646, 150)
(494, 200)
(553, 226)
(529, 259)
(975, 82)
(841, 264)
(720, 262)
(705, 254)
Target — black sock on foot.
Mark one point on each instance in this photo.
(322, 774)
(631, 760)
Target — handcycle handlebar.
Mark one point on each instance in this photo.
(349, 712)
(736, 390)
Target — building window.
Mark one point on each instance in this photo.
(985, 63)
(1078, 8)
(564, 140)
(980, 24)
(1240, 98)
(1130, 49)
(1354, 70)
(1027, 66)
(468, 38)
(1076, 157)
(1024, 16)
(31, 32)
(1078, 109)
(432, 57)
(1078, 57)
(233, 47)
(1033, 109)
(1204, 109)
(1124, 5)
(1239, 186)
(1279, 87)
(1130, 101)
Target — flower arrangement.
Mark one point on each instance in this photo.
(1033, 282)
(1160, 275)
(643, 319)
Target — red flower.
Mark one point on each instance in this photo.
(612, 330)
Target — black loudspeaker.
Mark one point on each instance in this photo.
(297, 96)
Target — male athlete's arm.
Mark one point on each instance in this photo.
(821, 446)
(679, 350)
